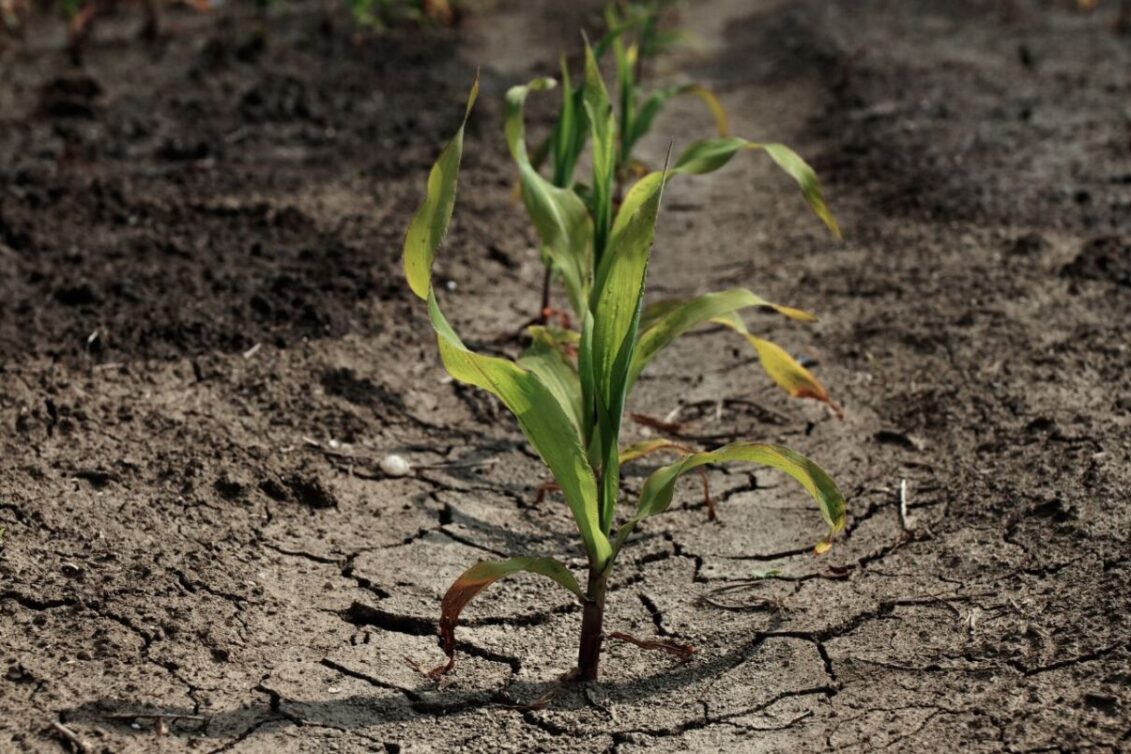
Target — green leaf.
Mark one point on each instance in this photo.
(618, 296)
(546, 358)
(678, 317)
(642, 122)
(656, 495)
(429, 224)
(602, 132)
(480, 576)
(709, 155)
(570, 131)
(559, 215)
(543, 419)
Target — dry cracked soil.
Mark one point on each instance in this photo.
(206, 348)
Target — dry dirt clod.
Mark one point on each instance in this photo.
(395, 466)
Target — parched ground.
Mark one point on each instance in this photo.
(205, 346)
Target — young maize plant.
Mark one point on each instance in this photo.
(568, 390)
(635, 37)
(578, 267)
(378, 14)
(636, 115)
(580, 116)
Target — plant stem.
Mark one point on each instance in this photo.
(592, 632)
(544, 311)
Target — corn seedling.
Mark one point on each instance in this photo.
(81, 16)
(569, 389)
(635, 36)
(578, 263)
(637, 112)
(616, 131)
(379, 14)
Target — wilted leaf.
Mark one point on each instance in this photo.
(782, 368)
(657, 493)
(709, 155)
(667, 320)
(480, 576)
(559, 215)
(647, 447)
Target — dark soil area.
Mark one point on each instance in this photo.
(206, 347)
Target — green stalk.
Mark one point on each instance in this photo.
(592, 626)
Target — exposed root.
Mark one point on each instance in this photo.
(544, 489)
(682, 651)
(74, 741)
(436, 673)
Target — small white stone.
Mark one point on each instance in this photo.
(394, 465)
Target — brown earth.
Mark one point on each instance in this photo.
(206, 345)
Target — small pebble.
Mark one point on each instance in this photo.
(394, 465)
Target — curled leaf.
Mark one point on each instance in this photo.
(708, 155)
(657, 493)
(480, 576)
(665, 321)
(559, 214)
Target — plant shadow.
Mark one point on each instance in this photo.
(428, 700)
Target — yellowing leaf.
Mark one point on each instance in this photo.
(647, 447)
(667, 320)
(782, 368)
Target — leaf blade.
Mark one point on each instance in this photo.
(679, 317)
(656, 495)
(559, 215)
(708, 155)
(480, 576)
(430, 222)
(543, 420)
(602, 135)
